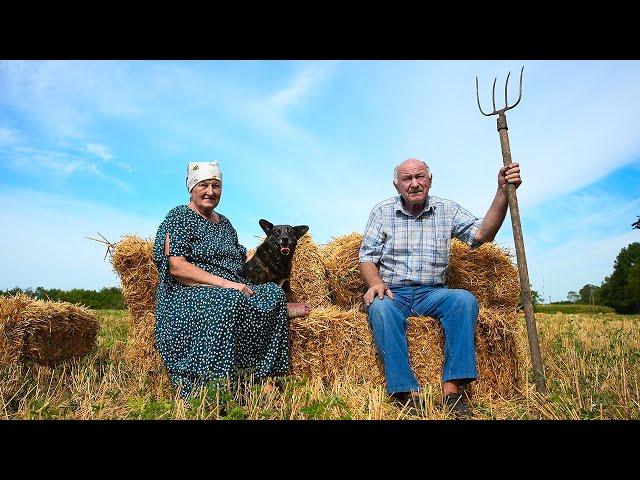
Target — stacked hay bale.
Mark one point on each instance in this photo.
(308, 282)
(487, 272)
(132, 259)
(341, 262)
(45, 332)
(347, 347)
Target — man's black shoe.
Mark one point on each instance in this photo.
(412, 403)
(454, 404)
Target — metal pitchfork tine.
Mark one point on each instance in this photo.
(525, 287)
(493, 96)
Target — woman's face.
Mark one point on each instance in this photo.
(205, 195)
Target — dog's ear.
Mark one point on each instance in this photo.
(266, 226)
(300, 230)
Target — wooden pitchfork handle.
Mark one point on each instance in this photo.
(525, 287)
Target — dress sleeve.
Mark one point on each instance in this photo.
(180, 230)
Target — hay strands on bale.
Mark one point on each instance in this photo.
(110, 246)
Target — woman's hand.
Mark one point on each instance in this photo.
(241, 287)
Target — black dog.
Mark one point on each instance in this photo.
(272, 260)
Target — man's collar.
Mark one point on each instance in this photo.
(428, 205)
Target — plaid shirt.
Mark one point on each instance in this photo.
(415, 250)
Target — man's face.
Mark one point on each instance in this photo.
(413, 182)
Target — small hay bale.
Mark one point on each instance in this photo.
(132, 260)
(334, 343)
(45, 332)
(341, 259)
(488, 272)
(308, 280)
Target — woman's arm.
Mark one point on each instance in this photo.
(191, 275)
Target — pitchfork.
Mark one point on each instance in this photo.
(525, 288)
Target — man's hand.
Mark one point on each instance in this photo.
(509, 174)
(379, 289)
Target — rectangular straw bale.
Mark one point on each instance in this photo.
(43, 331)
(341, 260)
(308, 280)
(132, 259)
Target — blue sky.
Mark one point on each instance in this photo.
(102, 146)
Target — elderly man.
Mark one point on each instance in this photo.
(403, 261)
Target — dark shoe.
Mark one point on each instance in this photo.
(412, 404)
(455, 405)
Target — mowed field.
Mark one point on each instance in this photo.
(592, 365)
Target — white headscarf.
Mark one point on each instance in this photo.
(198, 171)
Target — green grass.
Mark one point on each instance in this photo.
(574, 308)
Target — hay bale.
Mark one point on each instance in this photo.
(341, 261)
(487, 272)
(332, 343)
(308, 280)
(43, 331)
(140, 350)
(132, 260)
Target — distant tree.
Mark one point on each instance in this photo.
(535, 297)
(636, 224)
(585, 294)
(573, 297)
(621, 289)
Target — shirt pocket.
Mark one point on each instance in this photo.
(443, 244)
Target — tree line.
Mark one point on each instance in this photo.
(106, 298)
(620, 290)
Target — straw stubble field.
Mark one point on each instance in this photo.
(592, 364)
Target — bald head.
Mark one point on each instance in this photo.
(410, 163)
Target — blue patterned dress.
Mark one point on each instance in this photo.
(210, 333)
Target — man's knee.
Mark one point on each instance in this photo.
(465, 298)
(380, 311)
(380, 307)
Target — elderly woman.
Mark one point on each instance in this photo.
(211, 323)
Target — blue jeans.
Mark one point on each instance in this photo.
(457, 311)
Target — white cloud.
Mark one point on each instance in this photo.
(8, 136)
(125, 166)
(33, 160)
(99, 150)
(298, 87)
